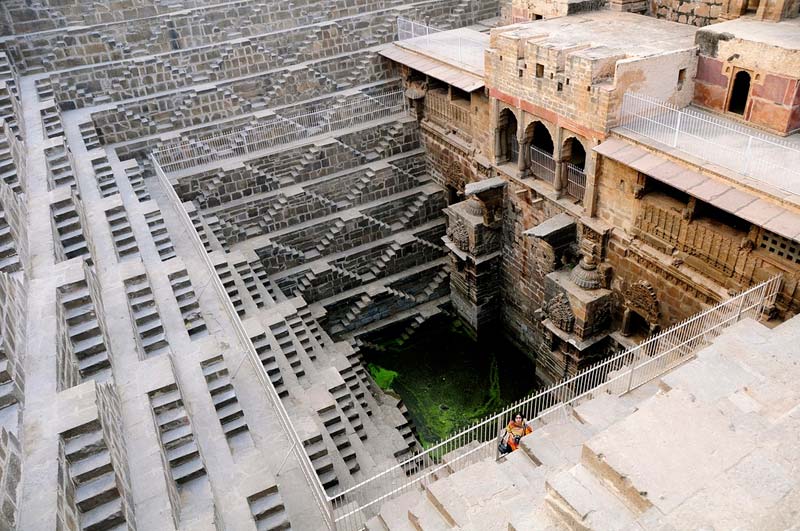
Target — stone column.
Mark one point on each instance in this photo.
(558, 147)
(522, 161)
(589, 200)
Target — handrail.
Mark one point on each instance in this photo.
(721, 141)
(619, 374)
(297, 447)
(350, 509)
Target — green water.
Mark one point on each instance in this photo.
(446, 378)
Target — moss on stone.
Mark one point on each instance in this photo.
(445, 378)
(383, 377)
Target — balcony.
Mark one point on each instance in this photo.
(717, 247)
(450, 115)
(768, 159)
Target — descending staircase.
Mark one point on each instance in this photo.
(150, 329)
(689, 450)
(223, 395)
(177, 438)
(90, 467)
(83, 330)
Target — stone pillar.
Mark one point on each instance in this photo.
(474, 238)
(522, 159)
(589, 198)
(498, 145)
(626, 323)
(558, 148)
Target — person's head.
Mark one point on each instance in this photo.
(517, 418)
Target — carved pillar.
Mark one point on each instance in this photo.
(522, 161)
(558, 156)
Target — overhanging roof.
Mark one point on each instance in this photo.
(436, 69)
(739, 202)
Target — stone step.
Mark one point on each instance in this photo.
(557, 445)
(582, 501)
(667, 450)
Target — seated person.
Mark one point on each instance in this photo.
(516, 430)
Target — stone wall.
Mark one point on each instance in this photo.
(13, 338)
(694, 12)
(108, 410)
(214, 24)
(774, 101)
(579, 91)
(526, 262)
(21, 16)
(514, 11)
(10, 473)
(14, 243)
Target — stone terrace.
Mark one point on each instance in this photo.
(710, 444)
(138, 409)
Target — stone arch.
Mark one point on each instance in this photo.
(573, 151)
(539, 148)
(507, 144)
(539, 134)
(641, 299)
(740, 92)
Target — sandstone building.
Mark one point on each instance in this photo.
(208, 207)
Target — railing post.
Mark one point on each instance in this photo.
(630, 375)
(677, 130)
(739, 309)
(747, 155)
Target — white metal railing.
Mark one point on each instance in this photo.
(279, 130)
(458, 47)
(617, 375)
(543, 165)
(250, 355)
(576, 181)
(714, 139)
(409, 29)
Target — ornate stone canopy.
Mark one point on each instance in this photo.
(560, 312)
(641, 298)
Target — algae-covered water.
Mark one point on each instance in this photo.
(445, 377)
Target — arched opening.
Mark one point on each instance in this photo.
(740, 92)
(574, 153)
(574, 156)
(507, 130)
(542, 164)
(634, 325)
(541, 138)
(751, 6)
(453, 195)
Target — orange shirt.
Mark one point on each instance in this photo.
(515, 430)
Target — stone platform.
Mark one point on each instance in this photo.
(709, 445)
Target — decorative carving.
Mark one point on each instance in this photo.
(453, 176)
(560, 313)
(641, 298)
(416, 90)
(585, 274)
(602, 315)
(474, 207)
(459, 235)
